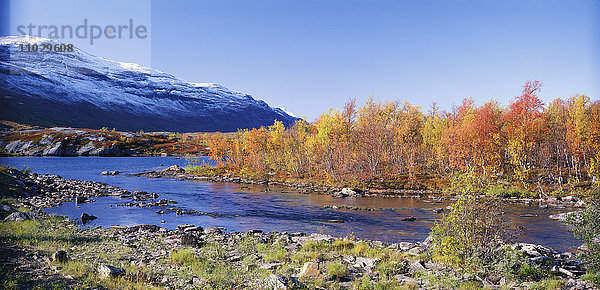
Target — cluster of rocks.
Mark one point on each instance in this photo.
(44, 191)
(564, 264)
(112, 172)
(407, 271)
(347, 192)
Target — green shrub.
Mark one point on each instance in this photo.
(499, 190)
(592, 277)
(474, 228)
(530, 273)
(185, 256)
(336, 269)
(586, 225)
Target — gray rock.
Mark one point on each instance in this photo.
(404, 280)
(427, 242)
(310, 270)
(22, 216)
(192, 229)
(270, 266)
(212, 230)
(184, 226)
(416, 267)
(174, 169)
(435, 266)
(279, 282)
(405, 246)
(56, 149)
(561, 217)
(570, 198)
(365, 263)
(321, 237)
(533, 251)
(108, 271)
(143, 228)
(7, 208)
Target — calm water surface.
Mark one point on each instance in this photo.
(269, 208)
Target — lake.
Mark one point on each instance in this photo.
(242, 207)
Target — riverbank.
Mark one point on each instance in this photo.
(47, 250)
(180, 173)
(60, 141)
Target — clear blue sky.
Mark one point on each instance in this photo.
(308, 56)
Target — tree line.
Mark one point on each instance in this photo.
(527, 143)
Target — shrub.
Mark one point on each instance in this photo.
(592, 277)
(336, 270)
(586, 225)
(474, 228)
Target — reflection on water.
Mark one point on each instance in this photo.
(268, 208)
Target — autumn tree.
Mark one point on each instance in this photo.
(525, 128)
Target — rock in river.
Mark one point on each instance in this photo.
(87, 217)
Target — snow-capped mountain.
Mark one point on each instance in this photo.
(78, 89)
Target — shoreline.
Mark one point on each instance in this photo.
(272, 260)
(177, 172)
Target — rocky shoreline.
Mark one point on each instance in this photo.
(194, 256)
(177, 172)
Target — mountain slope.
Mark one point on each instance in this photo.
(78, 89)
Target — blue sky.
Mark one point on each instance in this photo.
(308, 56)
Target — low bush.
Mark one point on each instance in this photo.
(586, 224)
(474, 229)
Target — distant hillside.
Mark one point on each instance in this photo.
(86, 142)
(77, 89)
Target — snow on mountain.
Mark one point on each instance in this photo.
(79, 89)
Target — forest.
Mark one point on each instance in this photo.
(528, 145)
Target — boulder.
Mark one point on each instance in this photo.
(427, 242)
(365, 263)
(192, 229)
(85, 218)
(310, 270)
(174, 169)
(60, 256)
(184, 226)
(348, 192)
(279, 282)
(416, 267)
(561, 217)
(533, 251)
(143, 228)
(108, 271)
(570, 198)
(22, 216)
(188, 240)
(212, 230)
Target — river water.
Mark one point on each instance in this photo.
(243, 207)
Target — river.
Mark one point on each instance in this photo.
(243, 207)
